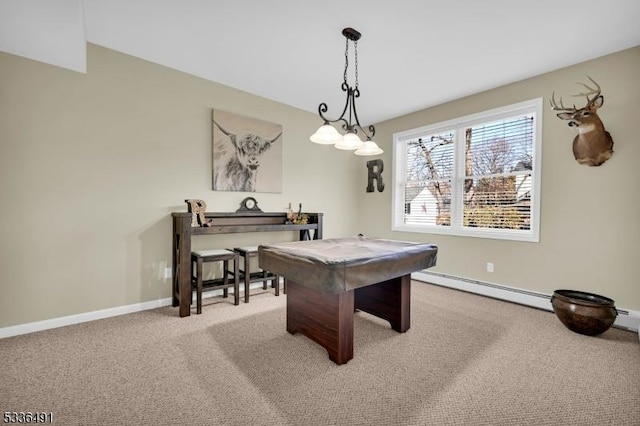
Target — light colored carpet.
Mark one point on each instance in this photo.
(467, 360)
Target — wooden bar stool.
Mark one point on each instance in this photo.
(220, 255)
(252, 277)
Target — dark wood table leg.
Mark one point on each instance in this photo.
(175, 286)
(265, 283)
(247, 277)
(225, 278)
(236, 282)
(182, 270)
(326, 318)
(199, 286)
(389, 300)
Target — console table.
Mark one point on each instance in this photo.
(225, 223)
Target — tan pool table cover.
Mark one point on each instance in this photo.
(343, 264)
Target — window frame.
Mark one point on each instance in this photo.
(533, 106)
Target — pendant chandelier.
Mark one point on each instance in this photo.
(327, 134)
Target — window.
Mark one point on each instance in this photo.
(474, 176)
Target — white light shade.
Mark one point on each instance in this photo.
(349, 142)
(326, 135)
(369, 148)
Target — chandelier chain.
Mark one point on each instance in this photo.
(355, 48)
(346, 61)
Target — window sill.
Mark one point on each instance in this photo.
(512, 235)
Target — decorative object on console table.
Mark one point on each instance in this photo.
(249, 204)
(297, 218)
(289, 215)
(197, 208)
(242, 146)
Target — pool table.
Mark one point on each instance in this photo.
(328, 280)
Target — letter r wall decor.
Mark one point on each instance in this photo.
(247, 153)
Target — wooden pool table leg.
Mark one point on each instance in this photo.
(389, 300)
(326, 318)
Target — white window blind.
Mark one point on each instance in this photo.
(498, 167)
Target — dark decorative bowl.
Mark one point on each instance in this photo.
(584, 313)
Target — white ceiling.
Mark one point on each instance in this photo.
(413, 53)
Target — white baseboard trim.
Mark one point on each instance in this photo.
(626, 318)
(16, 330)
(31, 327)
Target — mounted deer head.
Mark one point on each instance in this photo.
(593, 145)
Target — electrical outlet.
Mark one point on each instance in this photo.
(167, 272)
(489, 266)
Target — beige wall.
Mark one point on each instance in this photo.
(589, 229)
(92, 165)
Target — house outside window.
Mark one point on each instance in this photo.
(475, 176)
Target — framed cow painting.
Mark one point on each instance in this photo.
(247, 153)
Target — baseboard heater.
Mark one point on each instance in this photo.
(629, 320)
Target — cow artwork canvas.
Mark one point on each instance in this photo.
(247, 154)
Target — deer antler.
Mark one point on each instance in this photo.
(591, 91)
(555, 106)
